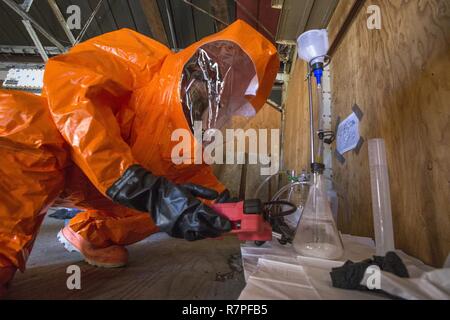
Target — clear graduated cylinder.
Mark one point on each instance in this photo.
(317, 235)
(381, 197)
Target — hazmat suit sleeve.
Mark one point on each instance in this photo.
(88, 90)
(32, 164)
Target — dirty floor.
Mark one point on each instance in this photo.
(159, 268)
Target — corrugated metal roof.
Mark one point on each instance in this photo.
(263, 12)
(190, 25)
(300, 16)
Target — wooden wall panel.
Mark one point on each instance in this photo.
(297, 143)
(266, 118)
(296, 151)
(338, 19)
(230, 175)
(400, 78)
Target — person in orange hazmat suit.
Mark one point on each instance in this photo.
(99, 139)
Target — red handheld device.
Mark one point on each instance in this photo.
(247, 220)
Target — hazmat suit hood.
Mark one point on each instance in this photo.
(226, 74)
(229, 73)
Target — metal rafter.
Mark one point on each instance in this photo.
(171, 25)
(61, 20)
(25, 16)
(88, 22)
(35, 39)
(209, 14)
(220, 9)
(255, 19)
(151, 11)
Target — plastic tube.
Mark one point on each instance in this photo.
(299, 200)
(320, 148)
(381, 197)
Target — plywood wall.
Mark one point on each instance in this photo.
(400, 78)
(230, 175)
(297, 145)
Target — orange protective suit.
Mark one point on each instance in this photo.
(32, 162)
(112, 102)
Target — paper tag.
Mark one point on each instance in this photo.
(348, 136)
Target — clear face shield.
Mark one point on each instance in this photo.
(216, 85)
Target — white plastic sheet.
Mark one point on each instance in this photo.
(276, 272)
(279, 279)
(433, 285)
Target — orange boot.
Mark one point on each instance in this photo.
(113, 256)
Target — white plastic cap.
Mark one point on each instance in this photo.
(313, 44)
(377, 152)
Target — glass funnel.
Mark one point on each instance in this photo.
(317, 235)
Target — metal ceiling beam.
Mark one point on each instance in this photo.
(35, 39)
(219, 8)
(88, 22)
(215, 18)
(255, 19)
(293, 20)
(171, 25)
(61, 20)
(321, 14)
(300, 16)
(25, 16)
(26, 5)
(26, 50)
(154, 20)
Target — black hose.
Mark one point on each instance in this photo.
(280, 203)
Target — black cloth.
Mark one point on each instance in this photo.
(174, 208)
(350, 275)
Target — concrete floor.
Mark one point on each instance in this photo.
(159, 268)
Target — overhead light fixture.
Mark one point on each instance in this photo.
(277, 4)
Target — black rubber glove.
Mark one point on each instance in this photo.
(174, 208)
